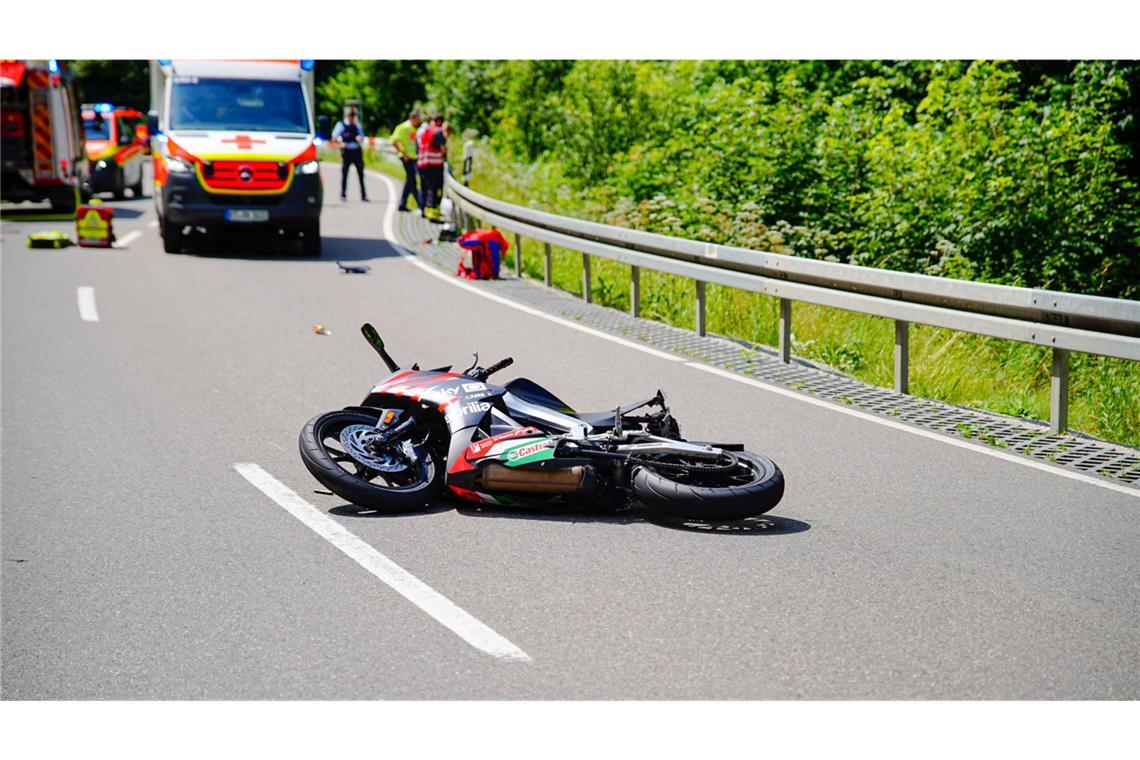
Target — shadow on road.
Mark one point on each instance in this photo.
(766, 525)
(42, 212)
(251, 246)
(123, 212)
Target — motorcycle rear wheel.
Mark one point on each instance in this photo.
(327, 460)
(752, 488)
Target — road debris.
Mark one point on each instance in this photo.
(321, 330)
(49, 239)
(354, 268)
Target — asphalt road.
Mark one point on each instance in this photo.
(139, 564)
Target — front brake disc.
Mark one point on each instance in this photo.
(357, 441)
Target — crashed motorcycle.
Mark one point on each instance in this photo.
(419, 432)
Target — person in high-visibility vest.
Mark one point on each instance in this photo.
(432, 153)
(404, 140)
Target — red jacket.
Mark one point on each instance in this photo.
(426, 154)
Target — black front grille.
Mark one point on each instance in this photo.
(241, 201)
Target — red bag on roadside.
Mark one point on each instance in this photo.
(482, 254)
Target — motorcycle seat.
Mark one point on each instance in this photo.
(531, 391)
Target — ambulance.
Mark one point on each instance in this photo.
(233, 144)
(114, 148)
(42, 150)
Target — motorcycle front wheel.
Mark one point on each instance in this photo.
(326, 457)
(676, 486)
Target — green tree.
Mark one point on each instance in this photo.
(387, 89)
(119, 81)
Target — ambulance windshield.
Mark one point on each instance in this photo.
(238, 105)
(96, 127)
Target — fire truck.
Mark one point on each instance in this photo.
(42, 148)
(114, 148)
(233, 147)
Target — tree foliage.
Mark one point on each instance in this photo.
(1022, 173)
(387, 90)
(119, 81)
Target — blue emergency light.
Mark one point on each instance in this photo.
(104, 107)
(307, 65)
(164, 61)
(53, 66)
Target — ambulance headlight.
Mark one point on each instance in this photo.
(309, 167)
(176, 165)
(101, 164)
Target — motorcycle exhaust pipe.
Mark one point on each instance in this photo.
(577, 479)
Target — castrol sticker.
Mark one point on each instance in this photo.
(527, 450)
(530, 452)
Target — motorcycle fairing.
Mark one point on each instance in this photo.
(524, 447)
(463, 400)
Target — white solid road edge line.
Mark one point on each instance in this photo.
(446, 612)
(389, 232)
(85, 296)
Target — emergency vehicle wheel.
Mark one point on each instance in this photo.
(171, 237)
(311, 239)
(120, 192)
(137, 188)
(63, 203)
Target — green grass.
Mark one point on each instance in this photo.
(959, 368)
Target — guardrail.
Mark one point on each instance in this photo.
(1064, 322)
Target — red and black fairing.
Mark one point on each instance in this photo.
(463, 401)
(462, 471)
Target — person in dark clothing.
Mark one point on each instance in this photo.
(348, 135)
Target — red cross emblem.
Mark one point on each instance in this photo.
(244, 142)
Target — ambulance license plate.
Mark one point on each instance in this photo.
(247, 215)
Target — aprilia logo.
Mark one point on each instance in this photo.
(474, 407)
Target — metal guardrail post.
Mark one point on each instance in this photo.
(546, 267)
(518, 255)
(587, 291)
(635, 291)
(700, 307)
(1059, 392)
(785, 330)
(902, 356)
(468, 158)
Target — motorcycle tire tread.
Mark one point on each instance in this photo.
(669, 498)
(353, 489)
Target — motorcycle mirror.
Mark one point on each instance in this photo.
(377, 343)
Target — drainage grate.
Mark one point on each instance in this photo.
(1027, 438)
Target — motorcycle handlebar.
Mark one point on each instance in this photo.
(485, 373)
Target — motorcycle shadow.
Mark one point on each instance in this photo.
(764, 525)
